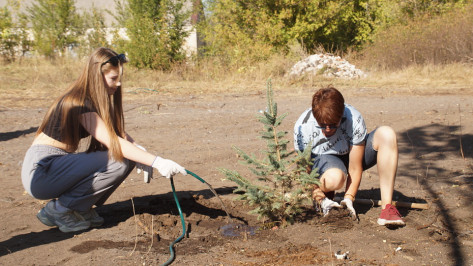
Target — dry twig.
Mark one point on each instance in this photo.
(152, 234)
(136, 228)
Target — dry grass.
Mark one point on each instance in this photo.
(425, 79)
(31, 82)
(35, 83)
(437, 40)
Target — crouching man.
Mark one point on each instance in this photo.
(342, 149)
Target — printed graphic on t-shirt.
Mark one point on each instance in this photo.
(352, 131)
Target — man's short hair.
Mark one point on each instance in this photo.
(328, 105)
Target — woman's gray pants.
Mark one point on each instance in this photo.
(78, 180)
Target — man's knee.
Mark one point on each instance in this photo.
(333, 179)
(385, 135)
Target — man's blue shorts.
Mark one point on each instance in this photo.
(323, 162)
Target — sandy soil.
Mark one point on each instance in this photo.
(198, 131)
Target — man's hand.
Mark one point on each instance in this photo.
(348, 204)
(168, 168)
(327, 204)
(147, 170)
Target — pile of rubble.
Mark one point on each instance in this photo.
(326, 65)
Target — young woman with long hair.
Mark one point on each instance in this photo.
(76, 181)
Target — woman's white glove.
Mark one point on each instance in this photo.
(168, 168)
(327, 204)
(147, 170)
(348, 204)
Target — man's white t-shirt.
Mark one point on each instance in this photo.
(352, 131)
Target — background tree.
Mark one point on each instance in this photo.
(7, 35)
(56, 25)
(95, 34)
(14, 40)
(155, 31)
(240, 32)
(259, 28)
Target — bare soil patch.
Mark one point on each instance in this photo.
(198, 131)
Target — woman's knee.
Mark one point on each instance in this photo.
(121, 168)
(333, 179)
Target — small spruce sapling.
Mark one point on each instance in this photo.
(283, 184)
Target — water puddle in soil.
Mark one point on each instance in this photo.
(232, 229)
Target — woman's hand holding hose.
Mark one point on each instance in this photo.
(168, 168)
(165, 167)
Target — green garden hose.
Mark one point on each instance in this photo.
(171, 247)
(196, 176)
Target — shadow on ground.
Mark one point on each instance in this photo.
(436, 143)
(118, 212)
(5, 136)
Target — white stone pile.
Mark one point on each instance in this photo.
(326, 65)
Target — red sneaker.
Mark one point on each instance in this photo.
(390, 216)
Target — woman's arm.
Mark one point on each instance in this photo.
(355, 169)
(129, 138)
(92, 122)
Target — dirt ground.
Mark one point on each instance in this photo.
(198, 131)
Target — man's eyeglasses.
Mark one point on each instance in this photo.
(114, 60)
(328, 126)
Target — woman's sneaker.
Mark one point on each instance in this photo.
(390, 216)
(66, 221)
(93, 217)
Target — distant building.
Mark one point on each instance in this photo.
(194, 40)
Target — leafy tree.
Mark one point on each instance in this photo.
(240, 32)
(24, 42)
(7, 41)
(95, 35)
(349, 24)
(155, 30)
(255, 29)
(13, 35)
(56, 25)
(283, 185)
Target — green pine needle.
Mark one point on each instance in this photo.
(288, 188)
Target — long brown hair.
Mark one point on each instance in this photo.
(89, 91)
